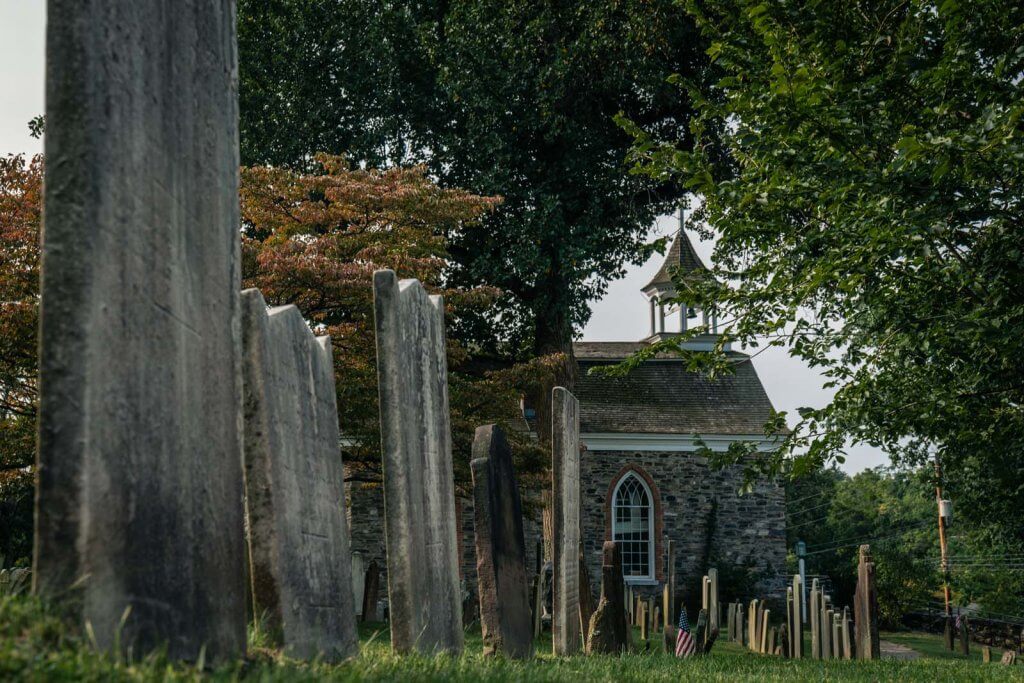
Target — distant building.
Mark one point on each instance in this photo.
(642, 480)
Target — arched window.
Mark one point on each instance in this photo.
(633, 527)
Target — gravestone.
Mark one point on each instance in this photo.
(752, 626)
(700, 631)
(500, 548)
(565, 500)
(814, 610)
(358, 582)
(1009, 658)
(295, 490)
(713, 612)
(789, 614)
(586, 596)
(371, 593)
(739, 624)
(424, 596)
(965, 637)
(847, 641)
(865, 608)
(837, 636)
(826, 631)
(766, 616)
(608, 628)
(644, 635)
(139, 496)
(797, 633)
(730, 621)
(986, 654)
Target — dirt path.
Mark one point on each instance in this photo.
(895, 651)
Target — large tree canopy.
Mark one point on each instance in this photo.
(507, 98)
(870, 218)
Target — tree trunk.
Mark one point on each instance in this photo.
(552, 334)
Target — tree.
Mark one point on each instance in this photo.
(503, 98)
(315, 239)
(20, 218)
(869, 218)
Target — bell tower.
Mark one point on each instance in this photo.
(673, 318)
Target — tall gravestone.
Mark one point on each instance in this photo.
(797, 632)
(358, 569)
(419, 497)
(814, 610)
(565, 500)
(139, 499)
(500, 547)
(295, 490)
(586, 596)
(608, 628)
(865, 608)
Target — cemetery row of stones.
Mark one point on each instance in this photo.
(833, 634)
(188, 444)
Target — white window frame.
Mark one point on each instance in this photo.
(649, 578)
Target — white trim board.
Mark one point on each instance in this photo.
(625, 441)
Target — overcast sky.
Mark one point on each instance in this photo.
(622, 315)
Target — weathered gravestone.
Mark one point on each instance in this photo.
(139, 499)
(797, 628)
(608, 628)
(713, 611)
(847, 640)
(371, 593)
(500, 547)
(358, 568)
(965, 637)
(986, 654)
(295, 490)
(419, 499)
(1009, 658)
(586, 596)
(814, 611)
(565, 500)
(865, 608)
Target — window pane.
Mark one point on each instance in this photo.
(631, 526)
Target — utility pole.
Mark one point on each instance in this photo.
(942, 549)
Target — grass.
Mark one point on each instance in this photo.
(36, 646)
(933, 647)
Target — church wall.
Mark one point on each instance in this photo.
(747, 527)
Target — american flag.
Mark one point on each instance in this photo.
(685, 645)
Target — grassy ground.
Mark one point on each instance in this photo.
(931, 646)
(34, 646)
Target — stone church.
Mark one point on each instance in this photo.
(642, 482)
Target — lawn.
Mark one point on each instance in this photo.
(34, 646)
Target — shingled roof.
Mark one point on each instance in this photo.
(680, 257)
(662, 397)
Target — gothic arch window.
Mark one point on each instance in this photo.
(633, 527)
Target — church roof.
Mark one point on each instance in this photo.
(663, 397)
(680, 257)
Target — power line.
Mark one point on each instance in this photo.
(814, 495)
(869, 540)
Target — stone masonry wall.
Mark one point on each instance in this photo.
(747, 527)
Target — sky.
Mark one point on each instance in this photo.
(621, 315)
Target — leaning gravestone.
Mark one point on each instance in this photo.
(865, 608)
(565, 497)
(139, 499)
(608, 629)
(500, 547)
(295, 489)
(419, 497)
